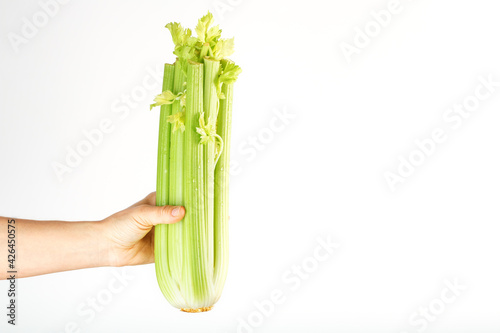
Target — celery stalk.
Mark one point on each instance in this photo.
(162, 178)
(197, 283)
(175, 231)
(221, 192)
(210, 108)
(168, 288)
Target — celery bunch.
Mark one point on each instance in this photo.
(191, 256)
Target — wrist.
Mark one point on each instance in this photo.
(102, 244)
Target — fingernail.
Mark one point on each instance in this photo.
(176, 211)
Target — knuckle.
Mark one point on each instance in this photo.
(165, 211)
(151, 198)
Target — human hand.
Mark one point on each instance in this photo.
(129, 234)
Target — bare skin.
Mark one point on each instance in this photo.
(123, 239)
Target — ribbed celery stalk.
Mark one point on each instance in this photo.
(210, 108)
(162, 178)
(168, 287)
(196, 282)
(175, 231)
(221, 198)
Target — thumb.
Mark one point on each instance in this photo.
(149, 216)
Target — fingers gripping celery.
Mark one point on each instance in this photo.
(193, 166)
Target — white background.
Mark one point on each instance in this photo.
(322, 175)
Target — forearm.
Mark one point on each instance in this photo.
(43, 247)
(122, 239)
